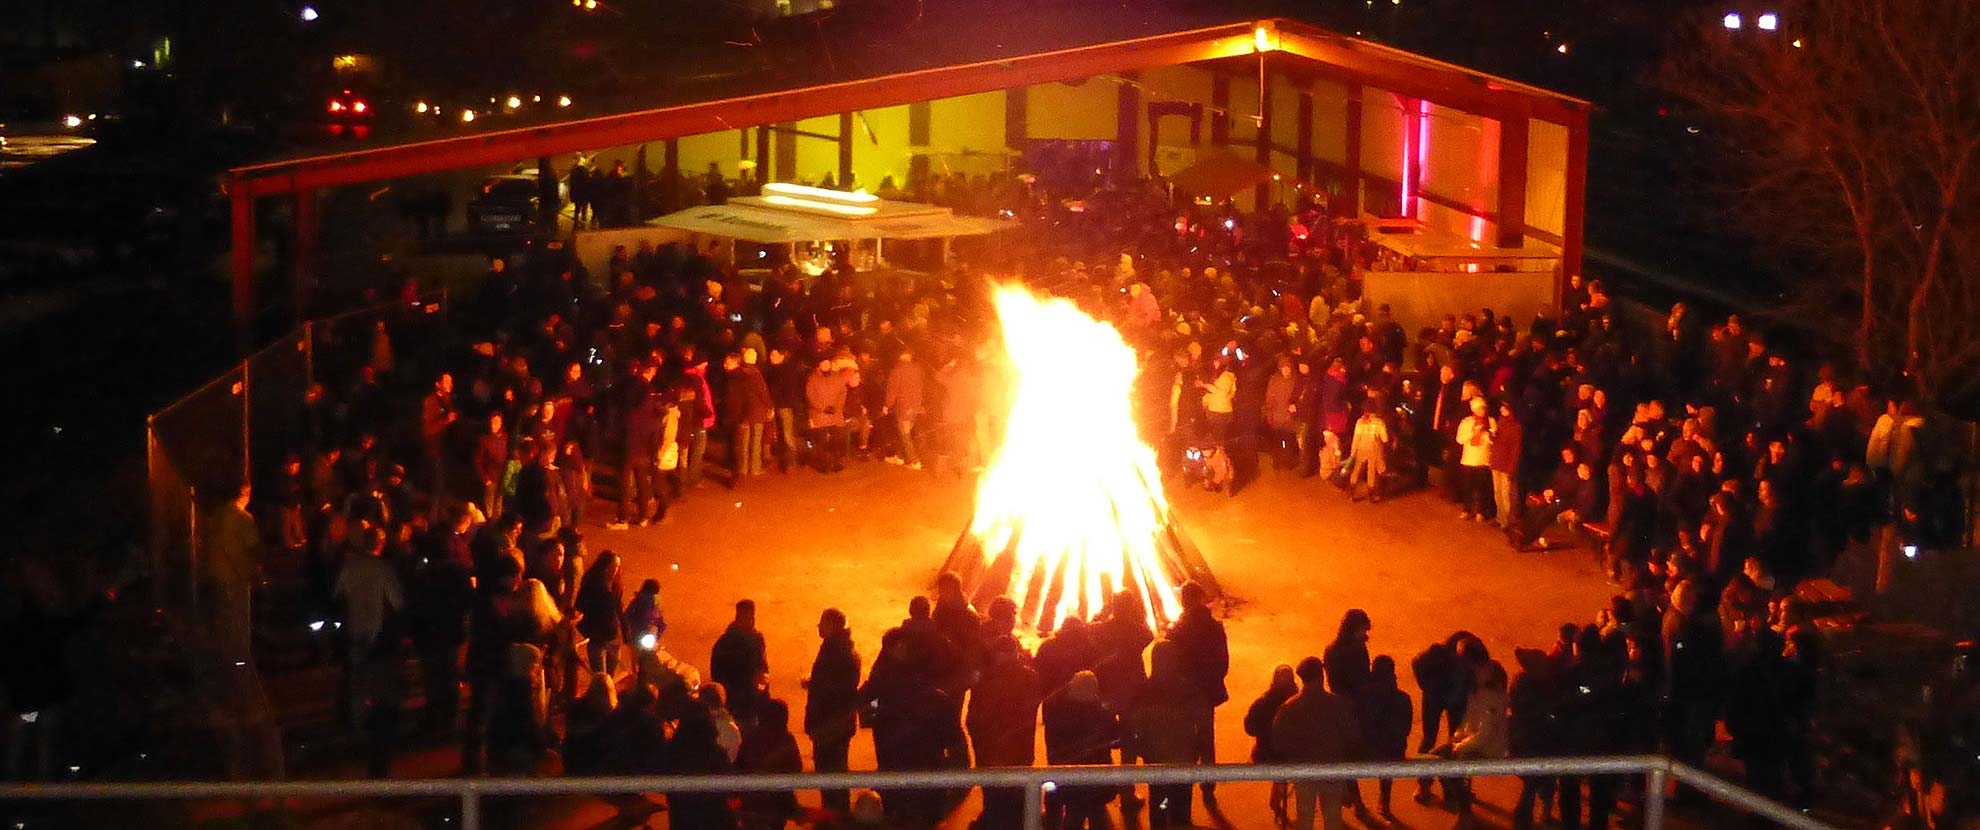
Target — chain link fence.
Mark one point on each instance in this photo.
(242, 425)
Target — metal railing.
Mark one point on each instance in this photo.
(1035, 781)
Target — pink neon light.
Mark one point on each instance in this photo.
(1422, 150)
(1477, 228)
(1408, 157)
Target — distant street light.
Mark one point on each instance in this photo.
(72, 121)
(467, 116)
(1733, 21)
(1561, 48)
(512, 102)
(1769, 22)
(563, 100)
(308, 14)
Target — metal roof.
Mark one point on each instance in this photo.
(1313, 50)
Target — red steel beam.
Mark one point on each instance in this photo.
(1573, 223)
(241, 261)
(788, 105)
(1512, 182)
(1353, 61)
(1343, 57)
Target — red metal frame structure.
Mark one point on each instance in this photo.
(1300, 48)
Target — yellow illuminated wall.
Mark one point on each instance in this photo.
(1330, 121)
(1546, 175)
(1381, 135)
(698, 150)
(1244, 110)
(816, 157)
(880, 146)
(1086, 110)
(965, 135)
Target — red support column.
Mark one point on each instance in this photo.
(241, 259)
(1348, 203)
(1512, 181)
(307, 229)
(1573, 219)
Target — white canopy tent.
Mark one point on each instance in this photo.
(779, 219)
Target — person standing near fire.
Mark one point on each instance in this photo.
(1203, 656)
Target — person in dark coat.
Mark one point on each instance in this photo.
(1315, 727)
(1069, 651)
(1079, 729)
(1386, 714)
(1445, 682)
(769, 748)
(1258, 724)
(1003, 728)
(739, 661)
(600, 603)
(1535, 729)
(1167, 724)
(746, 408)
(696, 750)
(831, 708)
(1347, 675)
(1203, 656)
(640, 498)
(912, 721)
(443, 593)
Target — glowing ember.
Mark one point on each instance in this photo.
(1070, 510)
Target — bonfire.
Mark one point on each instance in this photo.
(1070, 509)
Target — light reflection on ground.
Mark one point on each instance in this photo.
(24, 150)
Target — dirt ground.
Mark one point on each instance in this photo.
(1292, 555)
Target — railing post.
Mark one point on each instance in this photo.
(1653, 797)
(247, 420)
(470, 808)
(1034, 806)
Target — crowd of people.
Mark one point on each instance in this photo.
(443, 506)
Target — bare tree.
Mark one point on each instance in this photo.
(1854, 131)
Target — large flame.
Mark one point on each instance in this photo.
(1072, 494)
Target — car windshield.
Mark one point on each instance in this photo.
(510, 190)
